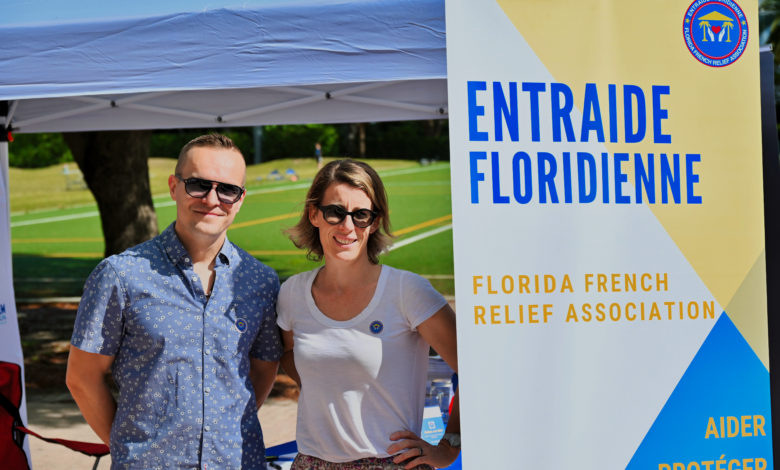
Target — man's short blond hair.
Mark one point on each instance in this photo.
(212, 140)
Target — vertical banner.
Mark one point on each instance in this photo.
(608, 232)
(10, 341)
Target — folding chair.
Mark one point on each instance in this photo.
(282, 455)
(290, 173)
(12, 430)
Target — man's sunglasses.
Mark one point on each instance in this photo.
(199, 188)
(334, 215)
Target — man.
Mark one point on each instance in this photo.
(186, 324)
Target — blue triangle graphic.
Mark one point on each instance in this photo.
(725, 378)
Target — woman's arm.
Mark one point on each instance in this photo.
(439, 332)
(262, 374)
(288, 360)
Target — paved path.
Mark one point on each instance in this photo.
(57, 416)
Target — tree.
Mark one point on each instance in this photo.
(38, 150)
(116, 170)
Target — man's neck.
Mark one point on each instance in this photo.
(202, 249)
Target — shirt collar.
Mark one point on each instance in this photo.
(177, 253)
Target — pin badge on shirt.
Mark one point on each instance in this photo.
(376, 327)
(241, 325)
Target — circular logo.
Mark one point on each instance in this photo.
(241, 325)
(715, 31)
(376, 327)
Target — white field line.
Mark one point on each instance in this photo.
(57, 218)
(84, 215)
(421, 236)
(411, 170)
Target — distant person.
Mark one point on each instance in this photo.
(318, 154)
(185, 323)
(356, 335)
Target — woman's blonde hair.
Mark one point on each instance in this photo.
(358, 175)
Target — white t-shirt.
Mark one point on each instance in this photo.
(364, 378)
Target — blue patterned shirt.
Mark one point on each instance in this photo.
(181, 359)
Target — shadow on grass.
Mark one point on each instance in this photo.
(56, 410)
(41, 276)
(45, 331)
(37, 276)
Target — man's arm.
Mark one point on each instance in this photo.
(262, 374)
(86, 380)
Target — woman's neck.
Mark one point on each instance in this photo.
(341, 276)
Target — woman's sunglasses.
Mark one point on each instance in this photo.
(199, 188)
(334, 215)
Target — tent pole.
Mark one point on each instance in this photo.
(10, 340)
(5, 210)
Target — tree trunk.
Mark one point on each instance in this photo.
(116, 170)
(362, 139)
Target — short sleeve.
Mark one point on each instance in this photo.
(100, 320)
(268, 343)
(283, 310)
(419, 300)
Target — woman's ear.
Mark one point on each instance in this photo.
(313, 215)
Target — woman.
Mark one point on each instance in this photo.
(356, 334)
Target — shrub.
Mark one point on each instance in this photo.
(38, 150)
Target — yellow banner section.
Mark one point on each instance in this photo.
(712, 111)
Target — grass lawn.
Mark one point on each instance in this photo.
(56, 235)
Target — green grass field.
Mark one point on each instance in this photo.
(56, 236)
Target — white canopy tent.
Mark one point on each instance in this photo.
(275, 62)
(265, 62)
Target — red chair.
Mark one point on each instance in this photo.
(12, 430)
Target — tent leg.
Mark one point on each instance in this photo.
(10, 341)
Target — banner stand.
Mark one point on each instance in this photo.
(592, 153)
(772, 227)
(10, 341)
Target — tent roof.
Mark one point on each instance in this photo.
(270, 62)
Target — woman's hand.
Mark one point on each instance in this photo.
(420, 452)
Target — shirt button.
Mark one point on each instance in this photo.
(207, 391)
(194, 278)
(207, 352)
(207, 427)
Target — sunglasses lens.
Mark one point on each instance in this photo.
(229, 193)
(362, 218)
(197, 187)
(333, 214)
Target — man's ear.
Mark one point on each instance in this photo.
(172, 181)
